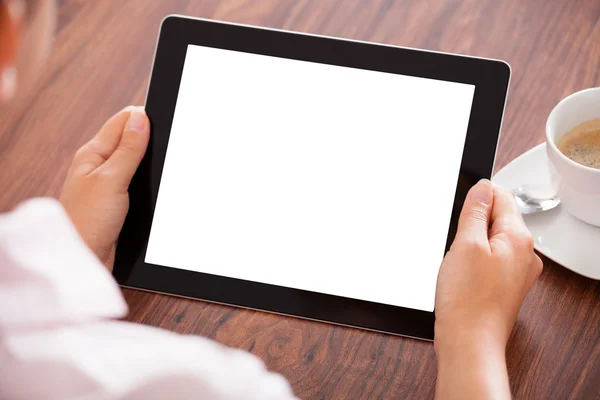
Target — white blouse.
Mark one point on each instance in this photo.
(59, 339)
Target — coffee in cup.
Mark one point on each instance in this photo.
(570, 142)
(573, 148)
(582, 144)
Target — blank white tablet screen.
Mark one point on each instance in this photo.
(310, 176)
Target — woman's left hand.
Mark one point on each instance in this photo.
(95, 193)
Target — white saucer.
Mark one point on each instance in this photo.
(559, 236)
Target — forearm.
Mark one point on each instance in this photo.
(471, 365)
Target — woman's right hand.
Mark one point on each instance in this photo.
(482, 283)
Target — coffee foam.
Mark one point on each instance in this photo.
(582, 144)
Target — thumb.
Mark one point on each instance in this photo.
(131, 149)
(474, 220)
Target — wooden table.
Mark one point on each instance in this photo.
(101, 62)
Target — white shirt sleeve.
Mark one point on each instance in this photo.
(58, 339)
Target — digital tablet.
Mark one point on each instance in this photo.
(304, 175)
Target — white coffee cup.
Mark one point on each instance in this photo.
(577, 185)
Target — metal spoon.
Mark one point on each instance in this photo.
(535, 198)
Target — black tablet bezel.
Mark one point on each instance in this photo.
(490, 78)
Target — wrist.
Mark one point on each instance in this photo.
(471, 364)
(487, 340)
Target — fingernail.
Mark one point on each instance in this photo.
(8, 83)
(133, 108)
(482, 192)
(17, 9)
(136, 121)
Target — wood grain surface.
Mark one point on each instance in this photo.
(102, 58)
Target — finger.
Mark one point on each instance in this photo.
(473, 223)
(506, 215)
(123, 163)
(538, 266)
(11, 26)
(95, 152)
